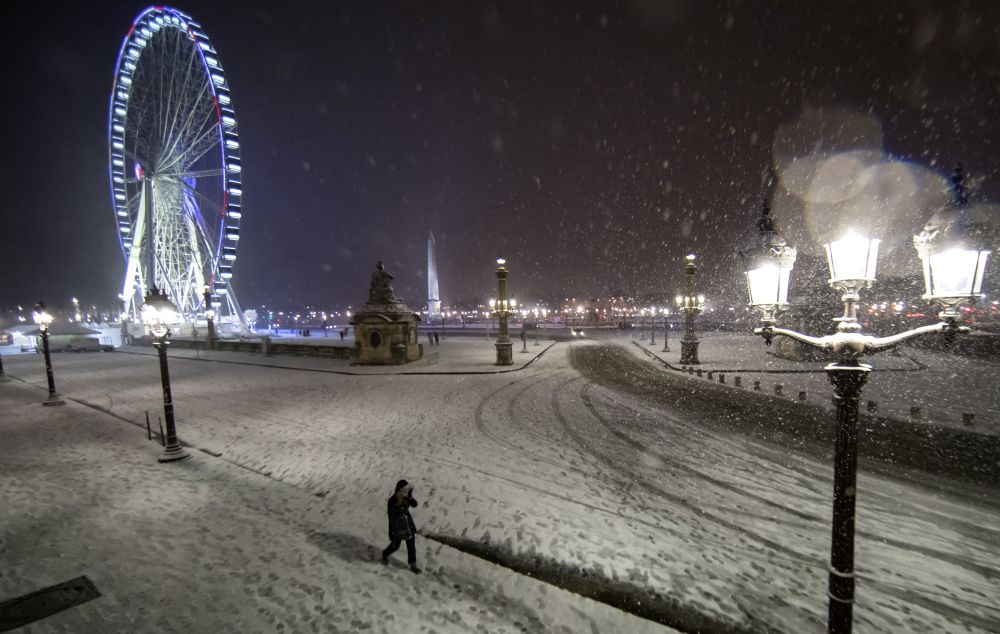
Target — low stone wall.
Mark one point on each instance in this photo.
(265, 346)
(306, 350)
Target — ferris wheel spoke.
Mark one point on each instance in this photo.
(203, 230)
(201, 173)
(177, 105)
(208, 142)
(193, 130)
(168, 103)
(202, 198)
(171, 112)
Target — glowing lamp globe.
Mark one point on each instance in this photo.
(953, 248)
(954, 275)
(158, 314)
(41, 317)
(852, 261)
(767, 277)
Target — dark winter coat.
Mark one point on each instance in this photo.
(401, 526)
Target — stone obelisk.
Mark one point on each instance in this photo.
(433, 298)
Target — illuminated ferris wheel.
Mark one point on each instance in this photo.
(175, 167)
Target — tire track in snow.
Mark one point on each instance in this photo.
(691, 471)
(696, 510)
(780, 455)
(818, 520)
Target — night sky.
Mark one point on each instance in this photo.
(591, 144)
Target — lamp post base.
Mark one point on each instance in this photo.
(689, 352)
(54, 399)
(505, 353)
(173, 453)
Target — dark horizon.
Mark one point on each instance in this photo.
(593, 146)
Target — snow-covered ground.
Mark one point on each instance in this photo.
(538, 462)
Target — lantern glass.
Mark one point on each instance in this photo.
(852, 258)
(41, 317)
(955, 273)
(768, 285)
(158, 314)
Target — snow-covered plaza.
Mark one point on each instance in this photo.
(276, 522)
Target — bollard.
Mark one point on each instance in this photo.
(756, 385)
(802, 395)
(722, 377)
(709, 375)
(967, 418)
(699, 373)
(872, 406)
(778, 387)
(738, 381)
(915, 413)
(690, 369)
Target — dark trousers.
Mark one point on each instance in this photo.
(411, 549)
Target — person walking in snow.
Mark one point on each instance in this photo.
(401, 526)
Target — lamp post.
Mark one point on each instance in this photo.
(210, 315)
(666, 329)
(43, 319)
(691, 303)
(503, 344)
(953, 249)
(652, 326)
(158, 314)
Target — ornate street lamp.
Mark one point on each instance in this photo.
(691, 304)
(769, 267)
(953, 272)
(42, 318)
(209, 315)
(158, 314)
(666, 330)
(503, 307)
